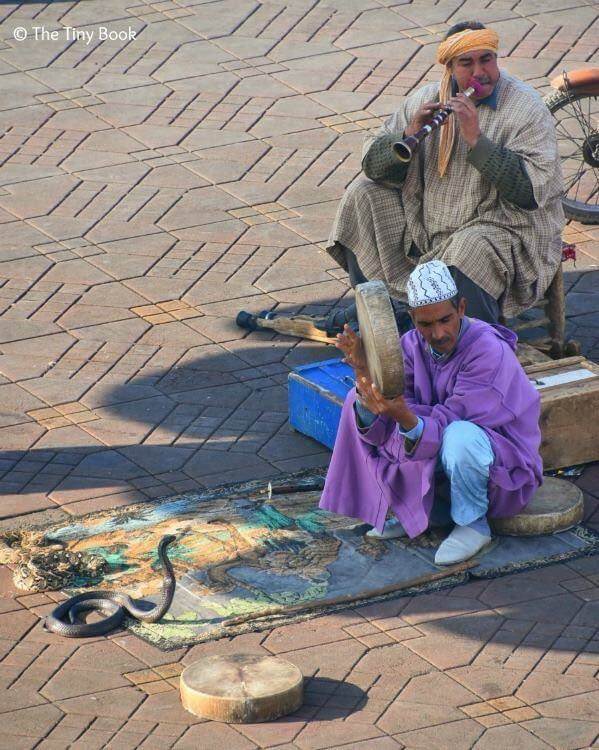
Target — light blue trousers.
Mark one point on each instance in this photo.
(466, 456)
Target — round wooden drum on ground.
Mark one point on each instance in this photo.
(380, 336)
(556, 506)
(242, 688)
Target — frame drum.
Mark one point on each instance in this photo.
(380, 336)
(241, 688)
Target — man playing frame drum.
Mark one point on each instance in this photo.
(468, 413)
(482, 192)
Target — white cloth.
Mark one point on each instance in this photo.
(462, 544)
(430, 283)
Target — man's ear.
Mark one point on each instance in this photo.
(462, 307)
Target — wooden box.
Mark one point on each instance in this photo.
(569, 421)
(569, 391)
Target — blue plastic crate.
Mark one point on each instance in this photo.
(316, 395)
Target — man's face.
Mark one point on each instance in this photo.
(439, 324)
(480, 64)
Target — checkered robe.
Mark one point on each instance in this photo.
(511, 252)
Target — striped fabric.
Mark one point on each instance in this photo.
(511, 252)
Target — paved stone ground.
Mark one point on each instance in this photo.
(150, 189)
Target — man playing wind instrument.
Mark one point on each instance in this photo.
(482, 193)
(468, 413)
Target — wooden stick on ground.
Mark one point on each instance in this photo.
(349, 598)
(302, 326)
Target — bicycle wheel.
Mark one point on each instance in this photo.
(577, 127)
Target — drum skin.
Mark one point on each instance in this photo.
(241, 688)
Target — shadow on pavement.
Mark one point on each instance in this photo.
(335, 697)
(218, 414)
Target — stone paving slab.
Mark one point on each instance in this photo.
(153, 184)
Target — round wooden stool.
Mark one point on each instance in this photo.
(242, 689)
(557, 506)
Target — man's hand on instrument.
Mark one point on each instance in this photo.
(395, 408)
(467, 116)
(422, 117)
(353, 349)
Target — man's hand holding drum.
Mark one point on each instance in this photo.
(353, 351)
(395, 408)
(367, 392)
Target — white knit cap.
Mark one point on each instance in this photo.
(430, 283)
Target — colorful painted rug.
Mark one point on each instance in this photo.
(247, 561)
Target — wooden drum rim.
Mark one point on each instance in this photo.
(381, 337)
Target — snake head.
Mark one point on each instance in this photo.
(166, 540)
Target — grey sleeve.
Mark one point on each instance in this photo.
(380, 163)
(505, 170)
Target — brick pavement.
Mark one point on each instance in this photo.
(150, 189)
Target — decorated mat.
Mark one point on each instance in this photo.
(248, 557)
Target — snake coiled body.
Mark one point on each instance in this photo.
(64, 619)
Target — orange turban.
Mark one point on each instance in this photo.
(458, 44)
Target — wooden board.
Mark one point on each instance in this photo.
(558, 505)
(528, 355)
(569, 422)
(241, 688)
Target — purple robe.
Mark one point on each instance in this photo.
(481, 382)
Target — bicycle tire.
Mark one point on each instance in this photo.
(579, 210)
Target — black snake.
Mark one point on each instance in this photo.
(64, 619)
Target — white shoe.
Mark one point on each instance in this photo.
(462, 544)
(392, 530)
